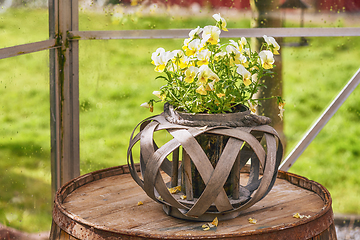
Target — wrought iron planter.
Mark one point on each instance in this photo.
(213, 149)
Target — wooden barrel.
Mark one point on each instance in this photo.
(104, 205)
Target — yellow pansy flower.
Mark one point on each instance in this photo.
(201, 90)
(210, 86)
(190, 74)
(205, 73)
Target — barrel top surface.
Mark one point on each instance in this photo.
(107, 201)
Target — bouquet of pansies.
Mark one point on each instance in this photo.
(208, 77)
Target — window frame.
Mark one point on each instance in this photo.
(63, 46)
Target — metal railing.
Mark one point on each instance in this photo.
(64, 78)
(321, 122)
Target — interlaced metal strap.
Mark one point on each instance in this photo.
(244, 142)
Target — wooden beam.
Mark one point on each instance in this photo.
(232, 33)
(27, 48)
(64, 93)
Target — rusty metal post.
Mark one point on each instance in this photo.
(64, 93)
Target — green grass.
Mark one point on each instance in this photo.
(332, 159)
(25, 202)
(23, 26)
(116, 77)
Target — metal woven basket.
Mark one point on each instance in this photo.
(244, 138)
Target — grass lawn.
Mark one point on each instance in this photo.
(116, 76)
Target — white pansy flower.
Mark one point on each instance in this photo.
(267, 59)
(232, 49)
(281, 109)
(179, 58)
(186, 43)
(235, 56)
(221, 21)
(219, 55)
(272, 42)
(145, 105)
(195, 32)
(254, 78)
(193, 47)
(252, 106)
(244, 73)
(247, 51)
(211, 34)
(160, 59)
(156, 54)
(235, 45)
(159, 95)
(242, 42)
(203, 57)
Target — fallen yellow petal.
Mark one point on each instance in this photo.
(206, 228)
(160, 198)
(140, 203)
(183, 197)
(298, 215)
(252, 220)
(174, 189)
(215, 222)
